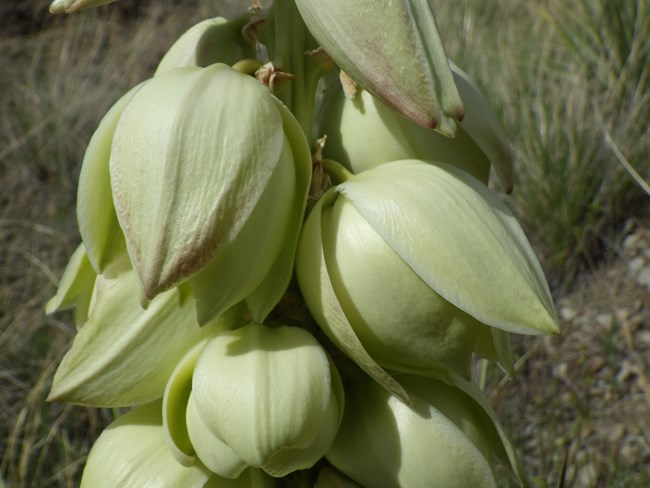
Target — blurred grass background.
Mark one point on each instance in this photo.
(569, 80)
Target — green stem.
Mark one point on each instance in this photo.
(290, 43)
(483, 370)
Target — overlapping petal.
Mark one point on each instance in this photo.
(363, 133)
(132, 453)
(125, 354)
(98, 225)
(188, 173)
(383, 442)
(76, 287)
(460, 238)
(410, 73)
(216, 40)
(271, 395)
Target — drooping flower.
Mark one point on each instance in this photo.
(405, 265)
(448, 436)
(255, 396)
(201, 175)
(410, 73)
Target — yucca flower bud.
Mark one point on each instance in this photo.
(448, 436)
(410, 73)
(210, 41)
(405, 265)
(202, 175)
(264, 397)
(362, 133)
(132, 453)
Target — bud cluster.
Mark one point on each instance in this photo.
(199, 202)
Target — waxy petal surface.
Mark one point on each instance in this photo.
(124, 354)
(460, 239)
(410, 73)
(98, 224)
(191, 157)
(132, 453)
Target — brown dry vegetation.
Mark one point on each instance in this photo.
(581, 398)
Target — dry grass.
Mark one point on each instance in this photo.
(563, 78)
(571, 194)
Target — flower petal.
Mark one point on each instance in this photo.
(210, 448)
(132, 453)
(270, 291)
(383, 442)
(271, 394)
(410, 74)
(240, 266)
(75, 288)
(98, 225)
(484, 129)
(191, 157)
(210, 41)
(318, 292)
(460, 239)
(124, 354)
(497, 440)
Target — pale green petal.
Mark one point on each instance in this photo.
(460, 239)
(410, 73)
(268, 294)
(496, 439)
(383, 442)
(319, 295)
(399, 319)
(268, 393)
(239, 268)
(76, 286)
(98, 225)
(484, 129)
(132, 453)
(210, 448)
(188, 173)
(124, 354)
(210, 41)
(363, 133)
(174, 407)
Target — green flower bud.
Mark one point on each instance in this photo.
(363, 133)
(269, 397)
(402, 265)
(211, 41)
(70, 6)
(410, 73)
(202, 176)
(132, 453)
(446, 437)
